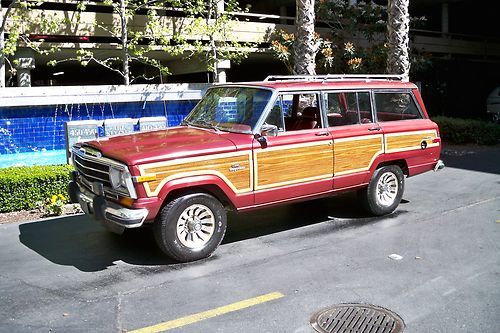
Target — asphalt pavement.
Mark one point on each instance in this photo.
(285, 263)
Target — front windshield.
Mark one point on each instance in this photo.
(233, 109)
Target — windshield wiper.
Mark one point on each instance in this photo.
(206, 124)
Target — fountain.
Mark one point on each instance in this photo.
(32, 119)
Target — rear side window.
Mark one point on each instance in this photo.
(348, 108)
(396, 106)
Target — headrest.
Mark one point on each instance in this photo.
(310, 112)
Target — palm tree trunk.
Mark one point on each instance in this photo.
(398, 26)
(304, 47)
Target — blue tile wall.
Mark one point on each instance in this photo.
(35, 128)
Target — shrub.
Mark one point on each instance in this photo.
(460, 131)
(24, 187)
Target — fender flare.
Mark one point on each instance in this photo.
(190, 182)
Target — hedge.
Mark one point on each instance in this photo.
(23, 187)
(460, 131)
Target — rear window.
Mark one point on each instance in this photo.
(396, 106)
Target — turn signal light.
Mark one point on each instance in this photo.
(127, 202)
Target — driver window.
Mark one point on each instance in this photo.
(295, 112)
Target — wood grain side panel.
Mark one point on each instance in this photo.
(239, 179)
(293, 165)
(408, 141)
(356, 154)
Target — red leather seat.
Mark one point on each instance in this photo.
(308, 120)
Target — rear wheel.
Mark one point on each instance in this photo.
(190, 227)
(384, 192)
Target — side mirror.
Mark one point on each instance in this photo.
(269, 130)
(265, 131)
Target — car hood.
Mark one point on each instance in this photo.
(171, 143)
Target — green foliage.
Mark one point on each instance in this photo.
(22, 23)
(344, 51)
(214, 27)
(200, 31)
(460, 131)
(23, 187)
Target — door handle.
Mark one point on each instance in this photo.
(322, 134)
(374, 128)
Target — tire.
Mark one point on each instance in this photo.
(384, 192)
(190, 227)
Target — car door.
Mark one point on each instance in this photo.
(297, 161)
(357, 139)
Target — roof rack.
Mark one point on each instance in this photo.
(339, 77)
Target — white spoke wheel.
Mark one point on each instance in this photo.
(195, 226)
(387, 189)
(190, 227)
(384, 192)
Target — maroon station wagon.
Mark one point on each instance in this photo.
(254, 145)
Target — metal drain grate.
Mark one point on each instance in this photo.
(356, 318)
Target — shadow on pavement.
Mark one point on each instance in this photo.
(343, 209)
(80, 242)
(77, 241)
(474, 158)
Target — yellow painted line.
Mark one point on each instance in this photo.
(168, 325)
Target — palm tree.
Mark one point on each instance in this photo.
(398, 26)
(305, 48)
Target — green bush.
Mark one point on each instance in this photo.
(460, 131)
(23, 187)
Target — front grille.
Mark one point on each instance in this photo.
(92, 168)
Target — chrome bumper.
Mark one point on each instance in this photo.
(439, 166)
(112, 215)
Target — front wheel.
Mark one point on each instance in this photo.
(190, 227)
(384, 192)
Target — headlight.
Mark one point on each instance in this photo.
(118, 177)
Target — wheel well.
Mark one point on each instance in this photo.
(400, 163)
(208, 189)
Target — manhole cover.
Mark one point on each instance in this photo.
(356, 318)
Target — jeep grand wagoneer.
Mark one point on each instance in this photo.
(253, 145)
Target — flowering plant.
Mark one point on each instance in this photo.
(53, 206)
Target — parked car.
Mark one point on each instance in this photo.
(255, 145)
(493, 104)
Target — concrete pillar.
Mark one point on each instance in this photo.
(220, 6)
(445, 22)
(222, 66)
(25, 62)
(23, 77)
